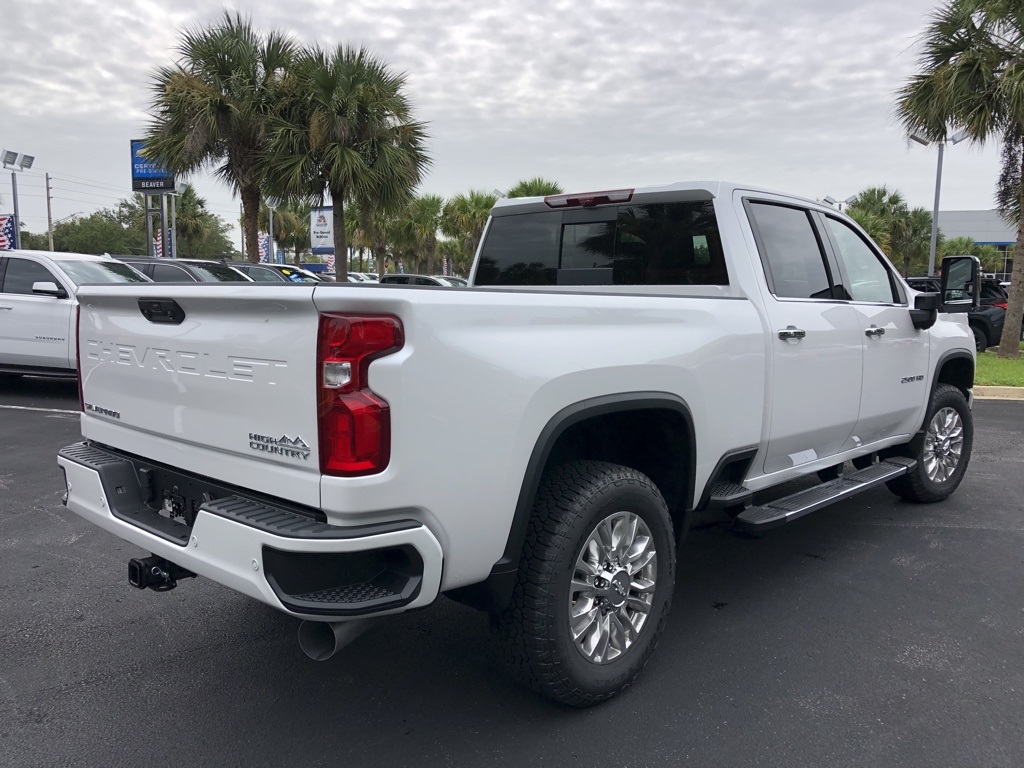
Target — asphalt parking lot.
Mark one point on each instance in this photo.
(874, 633)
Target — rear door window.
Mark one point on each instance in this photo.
(169, 273)
(792, 254)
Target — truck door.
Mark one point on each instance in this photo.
(896, 354)
(815, 347)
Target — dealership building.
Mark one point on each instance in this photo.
(985, 228)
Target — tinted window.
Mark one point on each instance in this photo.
(868, 278)
(263, 275)
(168, 273)
(100, 272)
(791, 252)
(653, 244)
(22, 273)
(217, 273)
(298, 276)
(396, 279)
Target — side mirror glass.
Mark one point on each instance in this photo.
(48, 288)
(960, 283)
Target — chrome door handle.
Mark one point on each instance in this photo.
(791, 332)
(875, 331)
(4, 306)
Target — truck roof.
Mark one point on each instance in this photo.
(680, 190)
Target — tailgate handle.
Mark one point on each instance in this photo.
(162, 311)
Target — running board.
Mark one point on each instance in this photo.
(789, 508)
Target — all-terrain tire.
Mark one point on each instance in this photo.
(942, 453)
(535, 636)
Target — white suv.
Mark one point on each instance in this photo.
(37, 301)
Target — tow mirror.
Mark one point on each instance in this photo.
(960, 290)
(48, 288)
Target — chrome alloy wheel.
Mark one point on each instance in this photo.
(943, 444)
(612, 587)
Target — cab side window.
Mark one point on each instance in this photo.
(791, 252)
(868, 278)
(22, 273)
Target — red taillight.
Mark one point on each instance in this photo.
(354, 423)
(1000, 304)
(589, 199)
(78, 355)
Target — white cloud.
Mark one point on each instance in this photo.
(793, 94)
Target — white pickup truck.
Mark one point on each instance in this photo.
(533, 445)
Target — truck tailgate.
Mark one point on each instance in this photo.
(217, 379)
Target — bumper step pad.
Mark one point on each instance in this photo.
(789, 508)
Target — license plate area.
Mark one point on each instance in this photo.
(160, 499)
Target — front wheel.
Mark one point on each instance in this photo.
(594, 585)
(943, 453)
(980, 341)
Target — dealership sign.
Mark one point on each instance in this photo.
(148, 176)
(321, 230)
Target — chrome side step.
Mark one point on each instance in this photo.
(789, 508)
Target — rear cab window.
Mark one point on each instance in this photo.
(673, 243)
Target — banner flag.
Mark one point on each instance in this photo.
(6, 232)
(321, 230)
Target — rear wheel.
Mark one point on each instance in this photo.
(943, 453)
(594, 585)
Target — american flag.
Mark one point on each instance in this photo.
(264, 242)
(158, 246)
(6, 232)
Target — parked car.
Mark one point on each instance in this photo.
(275, 273)
(406, 279)
(37, 307)
(457, 282)
(185, 270)
(987, 322)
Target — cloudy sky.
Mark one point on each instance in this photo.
(595, 94)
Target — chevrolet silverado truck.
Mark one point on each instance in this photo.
(533, 445)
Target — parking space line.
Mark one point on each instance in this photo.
(44, 410)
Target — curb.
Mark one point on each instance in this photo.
(999, 393)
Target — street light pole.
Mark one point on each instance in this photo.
(955, 139)
(935, 211)
(17, 214)
(24, 162)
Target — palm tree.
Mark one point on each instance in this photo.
(211, 107)
(345, 128)
(971, 78)
(912, 239)
(957, 246)
(420, 224)
(464, 218)
(536, 187)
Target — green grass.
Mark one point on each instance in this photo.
(995, 372)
